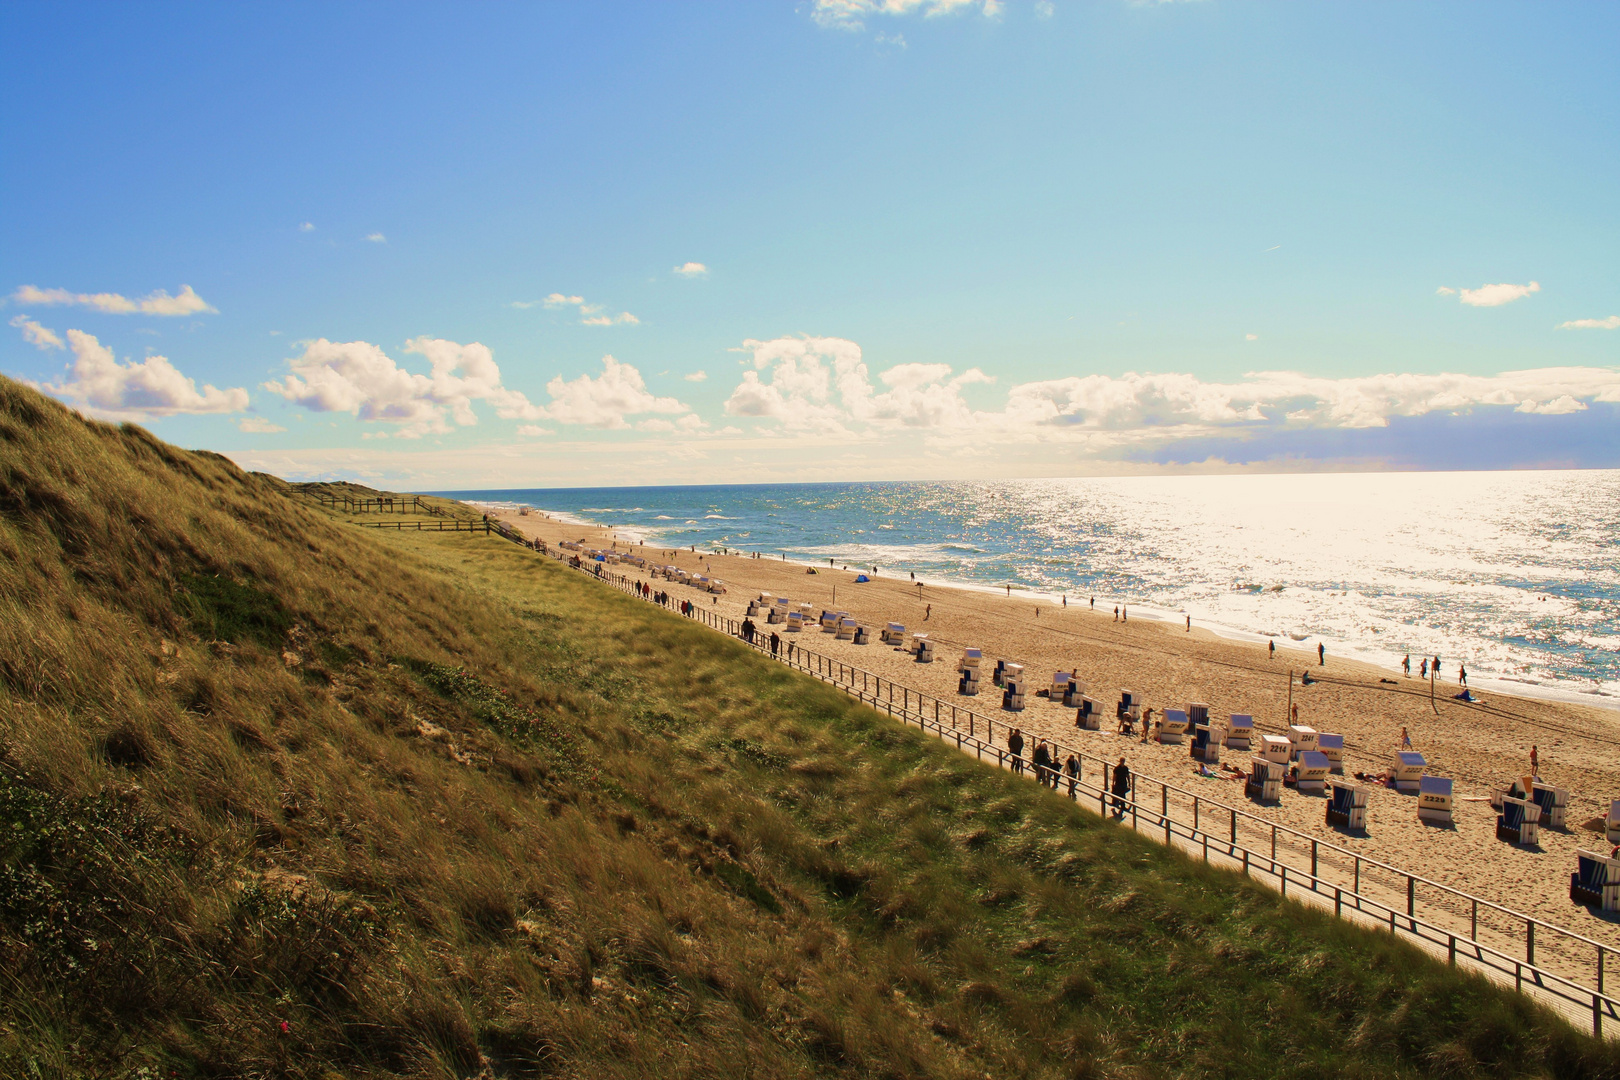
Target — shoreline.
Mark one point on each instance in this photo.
(1344, 651)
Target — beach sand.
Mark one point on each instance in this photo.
(1163, 663)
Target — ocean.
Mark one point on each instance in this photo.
(1515, 574)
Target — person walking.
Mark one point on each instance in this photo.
(1093, 603)
(1147, 724)
(748, 631)
(1072, 768)
(1042, 757)
(1015, 747)
(1321, 655)
(1116, 613)
(1124, 614)
(1406, 740)
(1121, 787)
(1406, 665)
(1535, 763)
(928, 612)
(1462, 674)
(776, 642)
(1271, 650)
(1423, 668)
(1189, 624)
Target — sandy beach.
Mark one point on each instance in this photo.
(1480, 747)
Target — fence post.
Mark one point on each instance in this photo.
(1530, 941)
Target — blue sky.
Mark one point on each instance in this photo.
(503, 245)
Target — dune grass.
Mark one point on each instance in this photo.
(442, 807)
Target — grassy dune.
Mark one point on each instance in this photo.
(443, 808)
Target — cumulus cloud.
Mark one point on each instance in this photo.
(1611, 323)
(589, 314)
(258, 425)
(852, 14)
(156, 303)
(532, 429)
(823, 383)
(100, 386)
(815, 381)
(609, 399)
(359, 378)
(377, 238)
(696, 376)
(691, 269)
(306, 227)
(1491, 295)
(1251, 337)
(41, 337)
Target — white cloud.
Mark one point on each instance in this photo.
(590, 314)
(696, 376)
(532, 429)
(691, 269)
(685, 424)
(1044, 9)
(1611, 323)
(1494, 295)
(99, 385)
(822, 384)
(41, 337)
(851, 14)
(608, 399)
(358, 378)
(306, 227)
(377, 238)
(1558, 406)
(156, 303)
(1251, 337)
(258, 425)
(1445, 291)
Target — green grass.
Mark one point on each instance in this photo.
(443, 806)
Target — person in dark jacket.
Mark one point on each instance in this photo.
(1015, 746)
(748, 631)
(776, 642)
(1121, 787)
(1072, 767)
(1043, 763)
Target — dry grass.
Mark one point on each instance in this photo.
(445, 808)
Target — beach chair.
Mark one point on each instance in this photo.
(1301, 738)
(995, 676)
(1197, 713)
(1518, 822)
(1087, 717)
(1059, 687)
(1553, 802)
(795, 622)
(1519, 789)
(1596, 881)
(863, 634)
(1265, 780)
(1012, 687)
(922, 648)
(1348, 806)
(894, 633)
(1239, 731)
(807, 615)
(1434, 800)
(1173, 727)
(1407, 771)
(1073, 694)
(1333, 746)
(846, 628)
(1128, 710)
(1276, 748)
(1611, 830)
(967, 681)
(1311, 770)
(971, 658)
(829, 622)
(1206, 745)
(717, 587)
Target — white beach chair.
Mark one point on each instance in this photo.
(1265, 780)
(1206, 744)
(1276, 748)
(1519, 822)
(1087, 716)
(1013, 687)
(922, 648)
(1073, 693)
(1059, 687)
(1333, 746)
(1239, 731)
(1434, 800)
(1348, 806)
(894, 633)
(1554, 801)
(795, 622)
(1611, 830)
(846, 628)
(1173, 727)
(1407, 771)
(1596, 881)
(1301, 738)
(1311, 770)
(1197, 713)
(971, 658)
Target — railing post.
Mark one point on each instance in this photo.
(1313, 864)
(1530, 941)
(1411, 896)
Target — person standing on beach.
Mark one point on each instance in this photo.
(1015, 747)
(1321, 655)
(1189, 624)
(1042, 757)
(1423, 668)
(1406, 740)
(1147, 724)
(1116, 613)
(928, 611)
(1093, 603)
(1125, 614)
(1535, 763)
(1121, 787)
(1434, 665)
(748, 631)
(1271, 650)
(1462, 674)
(1406, 665)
